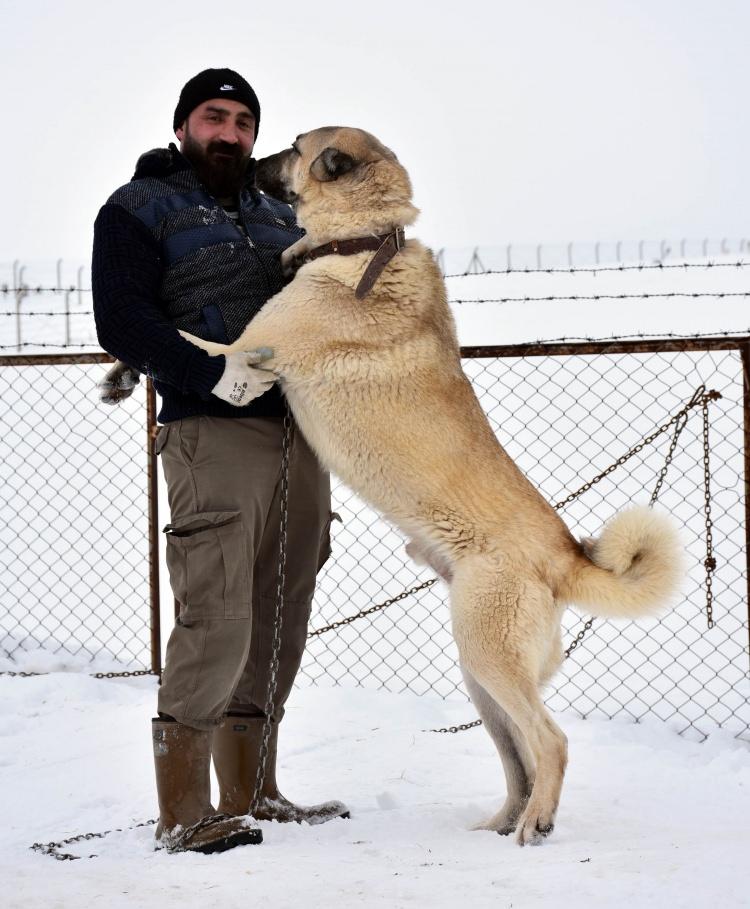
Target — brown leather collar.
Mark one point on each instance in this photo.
(385, 246)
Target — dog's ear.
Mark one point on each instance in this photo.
(331, 164)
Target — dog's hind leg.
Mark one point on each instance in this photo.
(517, 760)
(504, 627)
(550, 749)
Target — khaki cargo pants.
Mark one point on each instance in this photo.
(223, 480)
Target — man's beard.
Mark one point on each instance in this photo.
(221, 167)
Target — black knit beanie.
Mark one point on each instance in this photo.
(215, 83)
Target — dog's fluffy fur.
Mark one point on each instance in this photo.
(377, 388)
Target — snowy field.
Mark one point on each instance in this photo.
(647, 817)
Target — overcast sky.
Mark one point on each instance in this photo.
(532, 121)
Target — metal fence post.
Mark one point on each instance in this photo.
(746, 413)
(153, 529)
(20, 290)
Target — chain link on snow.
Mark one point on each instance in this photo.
(132, 674)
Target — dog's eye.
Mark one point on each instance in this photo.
(295, 149)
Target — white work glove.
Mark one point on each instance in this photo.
(243, 379)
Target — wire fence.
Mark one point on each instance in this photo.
(74, 515)
(77, 573)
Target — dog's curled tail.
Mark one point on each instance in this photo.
(632, 570)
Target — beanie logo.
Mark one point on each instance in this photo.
(226, 88)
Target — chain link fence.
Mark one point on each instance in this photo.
(74, 517)
(76, 576)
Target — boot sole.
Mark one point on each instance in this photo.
(250, 837)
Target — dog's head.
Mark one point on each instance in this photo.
(342, 182)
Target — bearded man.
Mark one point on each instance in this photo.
(190, 243)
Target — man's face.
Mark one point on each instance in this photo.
(217, 138)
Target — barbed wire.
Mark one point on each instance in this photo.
(6, 289)
(657, 266)
(45, 345)
(60, 312)
(39, 289)
(717, 295)
(574, 297)
(666, 335)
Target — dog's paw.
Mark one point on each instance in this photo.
(291, 262)
(535, 825)
(118, 385)
(504, 828)
(259, 355)
(504, 821)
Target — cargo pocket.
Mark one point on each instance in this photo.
(160, 440)
(207, 558)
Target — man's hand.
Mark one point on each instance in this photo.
(243, 380)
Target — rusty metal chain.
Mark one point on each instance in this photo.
(53, 849)
(133, 673)
(679, 426)
(352, 618)
(710, 561)
(579, 637)
(462, 728)
(697, 399)
(279, 614)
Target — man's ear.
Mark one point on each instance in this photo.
(331, 164)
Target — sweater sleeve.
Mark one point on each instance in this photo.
(130, 325)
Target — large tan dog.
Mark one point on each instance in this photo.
(376, 386)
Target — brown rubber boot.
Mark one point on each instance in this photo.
(187, 820)
(236, 749)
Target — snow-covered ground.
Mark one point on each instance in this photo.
(647, 818)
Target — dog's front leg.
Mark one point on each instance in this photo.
(274, 333)
(214, 349)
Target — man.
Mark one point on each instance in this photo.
(191, 244)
